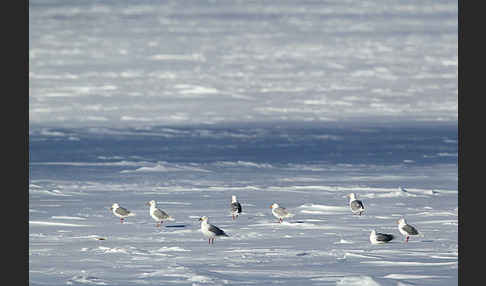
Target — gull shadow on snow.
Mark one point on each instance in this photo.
(177, 225)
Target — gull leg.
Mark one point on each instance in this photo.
(406, 240)
(121, 220)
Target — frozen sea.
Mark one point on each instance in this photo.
(139, 63)
(190, 102)
(76, 174)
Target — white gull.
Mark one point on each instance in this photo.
(235, 207)
(157, 214)
(355, 204)
(406, 229)
(210, 231)
(380, 238)
(121, 212)
(280, 212)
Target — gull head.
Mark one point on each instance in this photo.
(151, 203)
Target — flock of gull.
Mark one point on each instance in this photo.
(211, 231)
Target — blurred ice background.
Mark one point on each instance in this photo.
(145, 63)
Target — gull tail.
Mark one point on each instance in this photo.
(131, 214)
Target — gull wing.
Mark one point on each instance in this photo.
(122, 211)
(216, 230)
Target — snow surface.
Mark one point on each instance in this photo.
(145, 63)
(74, 239)
(190, 102)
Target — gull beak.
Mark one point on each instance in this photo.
(200, 219)
(147, 204)
(111, 208)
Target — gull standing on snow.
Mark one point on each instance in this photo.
(378, 238)
(280, 212)
(406, 229)
(355, 204)
(210, 231)
(157, 214)
(121, 212)
(400, 189)
(235, 207)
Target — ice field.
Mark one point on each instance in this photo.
(75, 239)
(149, 63)
(190, 102)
